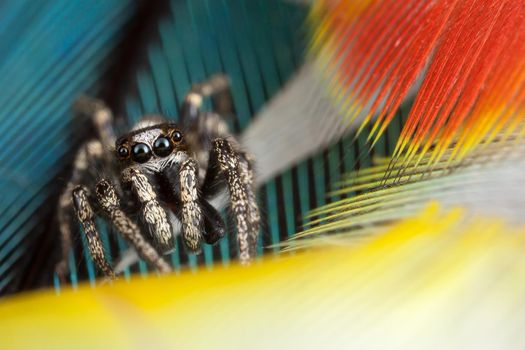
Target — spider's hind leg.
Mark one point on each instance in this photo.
(217, 87)
(101, 117)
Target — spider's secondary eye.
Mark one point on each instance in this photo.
(162, 147)
(123, 152)
(176, 136)
(141, 153)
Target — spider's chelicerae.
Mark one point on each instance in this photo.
(158, 175)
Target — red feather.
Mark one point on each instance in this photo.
(470, 55)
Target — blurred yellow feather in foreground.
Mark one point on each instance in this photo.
(441, 279)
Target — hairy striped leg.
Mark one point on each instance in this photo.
(90, 153)
(191, 212)
(242, 198)
(153, 213)
(109, 202)
(86, 216)
(215, 86)
(101, 117)
(183, 181)
(254, 217)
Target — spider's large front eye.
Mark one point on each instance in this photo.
(162, 147)
(141, 153)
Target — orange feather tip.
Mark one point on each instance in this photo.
(469, 56)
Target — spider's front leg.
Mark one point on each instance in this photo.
(86, 216)
(109, 202)
(89, 154)
(225, 161)
(248, 178)
(107, 199)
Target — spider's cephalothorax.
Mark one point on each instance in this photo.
(157, 175)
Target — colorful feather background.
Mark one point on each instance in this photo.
(469, 55)
(463, 65)
(421, 249)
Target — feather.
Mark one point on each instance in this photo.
(470, 56)
(485, 183)
(51, 52)
(287, 130)
(442, 279)
(464, 61)
(394, 271)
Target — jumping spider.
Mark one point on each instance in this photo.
(156, 176)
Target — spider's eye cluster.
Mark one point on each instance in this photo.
(141, 153)
(162, 146)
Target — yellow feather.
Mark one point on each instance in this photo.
(442, 279)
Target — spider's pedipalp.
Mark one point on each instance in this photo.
(214, 227)
(183, 182)
(191, 213)
(86, 216)
(153, 213)
(109, 202)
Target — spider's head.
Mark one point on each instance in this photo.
(153, 147)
